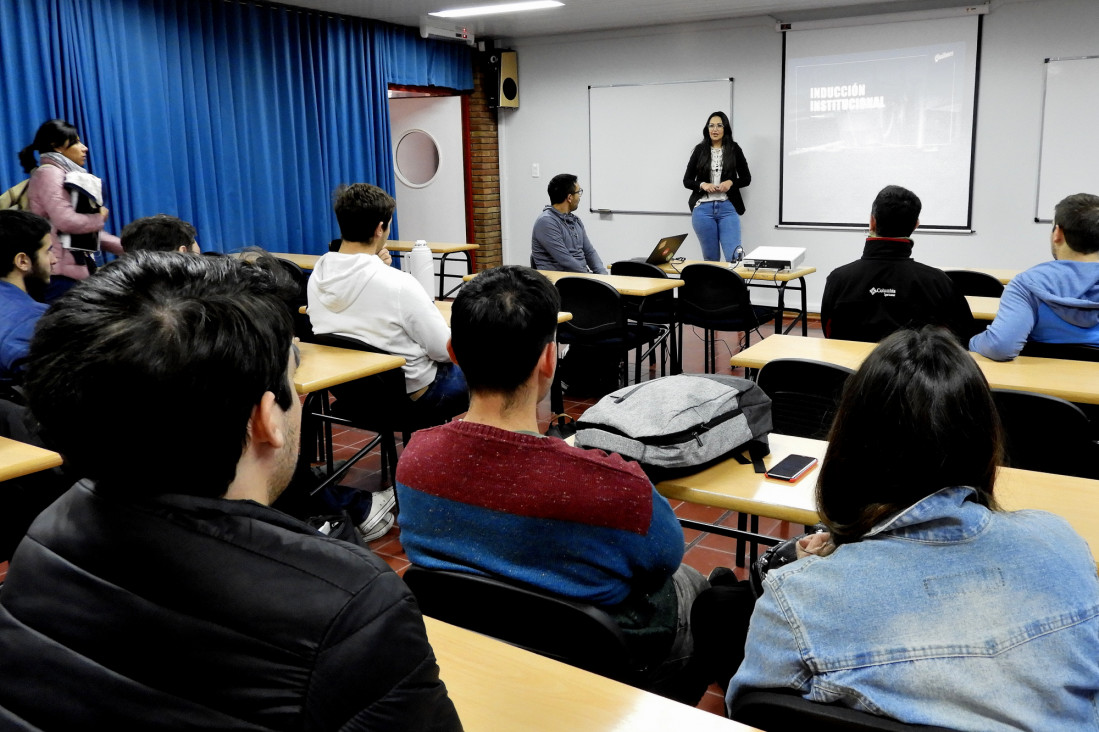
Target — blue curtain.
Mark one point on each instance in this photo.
(239, 118)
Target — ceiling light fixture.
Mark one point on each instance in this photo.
(495, 9)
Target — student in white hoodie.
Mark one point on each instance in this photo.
(355, 292)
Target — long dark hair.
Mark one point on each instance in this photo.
(703, 169)
(51, 135)
(917, 417)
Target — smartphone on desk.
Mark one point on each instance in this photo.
(791, 468)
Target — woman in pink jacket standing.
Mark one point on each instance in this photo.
(63, 191)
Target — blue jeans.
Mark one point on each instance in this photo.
(717, 224)
(448, 395)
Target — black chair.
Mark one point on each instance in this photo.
(779, 711)
(1068, 351)
(1047, 434)
(659, 309)
(804, 395)
(715, 299)
(978, 284)
(377, 403)
(599, 319)
(566, 630)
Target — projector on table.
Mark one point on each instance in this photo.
(774, 258)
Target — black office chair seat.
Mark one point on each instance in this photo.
(780, 711)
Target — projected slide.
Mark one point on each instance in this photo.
(857, 121)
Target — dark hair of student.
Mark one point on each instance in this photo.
(560, 186)
(499, 324)
(159, 233)
(156, 352)
(1078, 217)
(703, 169)
(360, 207)
(51, 135)
(896, 211)
(20, 231)
(917, 417)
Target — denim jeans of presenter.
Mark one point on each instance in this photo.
(717, 225)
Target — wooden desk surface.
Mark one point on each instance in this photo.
(1003, 275)
(324, 366)
(737, 487)
(495, 686)
(305, 261)
(1076, 381)
(18, 459)
(446, 305)
(766, 275)
(639, 286)
(983, 308)
(436, 247)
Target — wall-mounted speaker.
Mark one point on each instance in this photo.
(509, 79)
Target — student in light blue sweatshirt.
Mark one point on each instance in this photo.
(1054, 302)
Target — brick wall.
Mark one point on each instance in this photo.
(485, 172)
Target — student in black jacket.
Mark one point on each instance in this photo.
(870, 298)
(163, 593)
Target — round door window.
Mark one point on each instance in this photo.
(417, 158)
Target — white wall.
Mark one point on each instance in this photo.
(551, 129)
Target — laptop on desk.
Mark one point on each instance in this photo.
(664, 250)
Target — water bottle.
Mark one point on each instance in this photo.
(423, 267)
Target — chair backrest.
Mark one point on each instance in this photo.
(633, 268)
(656, 308)
(1069, 351)
(978, 284)
(804, 395)
(596, 308)
(566, 630)
(1047, 434)
(778, 711)
(383, 395)
(712, 291)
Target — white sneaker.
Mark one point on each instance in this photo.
(380, 528)
(381, 507)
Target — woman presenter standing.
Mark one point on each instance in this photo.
(64, 192)
(715, 174)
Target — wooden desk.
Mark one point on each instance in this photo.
(769, 278)
(18, 459)
(1076, 381)
(444, 250)
(983, 308)
(305, 261)
(1003, 275)
(737, 487)
(495, 686)
(446, 305)
(638, 286)
(323, 367)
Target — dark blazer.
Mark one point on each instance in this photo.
(178, 612)
(734, 168)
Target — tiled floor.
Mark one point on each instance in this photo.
(703, 551)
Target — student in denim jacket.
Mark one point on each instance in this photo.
(929, 605)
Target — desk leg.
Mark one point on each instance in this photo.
(443, 275)
(804, 310)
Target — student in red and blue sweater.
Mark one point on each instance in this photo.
(492, 496)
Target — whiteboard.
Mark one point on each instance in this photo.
(640, 138)
(1069, 156)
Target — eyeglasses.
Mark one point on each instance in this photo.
(718, 126)
(577, 192)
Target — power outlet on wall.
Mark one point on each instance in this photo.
(535, 170)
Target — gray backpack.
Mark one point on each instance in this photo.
(682, 424)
